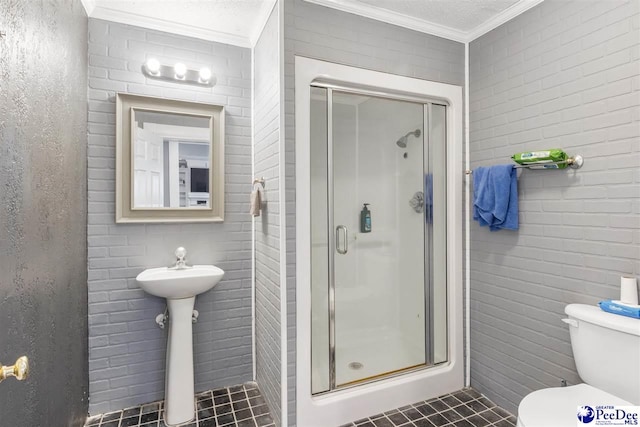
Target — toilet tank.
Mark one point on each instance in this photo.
(606, 349)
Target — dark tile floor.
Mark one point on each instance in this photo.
(464, 408)
(243, 406)
(237, 406)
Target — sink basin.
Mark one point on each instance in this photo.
(174, 283)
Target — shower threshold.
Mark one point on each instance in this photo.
(382, 376)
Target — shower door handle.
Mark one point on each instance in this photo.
(345, 233)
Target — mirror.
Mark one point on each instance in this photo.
(169, 160)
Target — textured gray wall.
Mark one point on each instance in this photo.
(43, 213)
(267, 252)
(127, 349)
(331, 35)
(564, 74)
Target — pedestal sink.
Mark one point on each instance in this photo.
(179, 285)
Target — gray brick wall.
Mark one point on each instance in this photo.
(564, 74)
(126, 348)
(267, 244)
(331, 35)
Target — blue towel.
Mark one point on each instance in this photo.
(615, 308)
(495, 197)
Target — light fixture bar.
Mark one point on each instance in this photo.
(178, 73)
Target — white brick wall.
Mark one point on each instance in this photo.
(327, 34)
(564, 74)
(126, 348)
(267, 254)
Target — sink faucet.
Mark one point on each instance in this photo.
(181, 253)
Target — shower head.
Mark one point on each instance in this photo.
(402, 142)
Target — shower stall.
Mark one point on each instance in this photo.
(378, 277)
(378, 294)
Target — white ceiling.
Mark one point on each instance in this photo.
(237, 22)
(463, 15)
(240, 22)
(459, 20)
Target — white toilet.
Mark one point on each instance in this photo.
(606, 348)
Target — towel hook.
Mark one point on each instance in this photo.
(260, 181)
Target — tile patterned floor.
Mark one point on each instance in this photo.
(238, 406)
(464, 408)
(243, 406)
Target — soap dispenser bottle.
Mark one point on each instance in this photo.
(365, 219)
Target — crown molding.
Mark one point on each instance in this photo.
(88, 5)
(424, 26)
(395, 18)
(101, 12)
(501, 18)
(263, 18)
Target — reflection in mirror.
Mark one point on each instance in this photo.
(170, 160)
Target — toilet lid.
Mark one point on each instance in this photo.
(558, 406)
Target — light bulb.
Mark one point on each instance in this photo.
(180, 70)
(205, 74)
(153, 66)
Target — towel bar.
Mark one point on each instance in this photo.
(574, 162)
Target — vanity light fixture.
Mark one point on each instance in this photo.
(205, 75)
(178, 73)
(180, 70)
(153, 66)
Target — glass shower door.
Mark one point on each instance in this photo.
(378, 298)
(379, 256)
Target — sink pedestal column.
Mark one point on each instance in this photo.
(179, 390)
